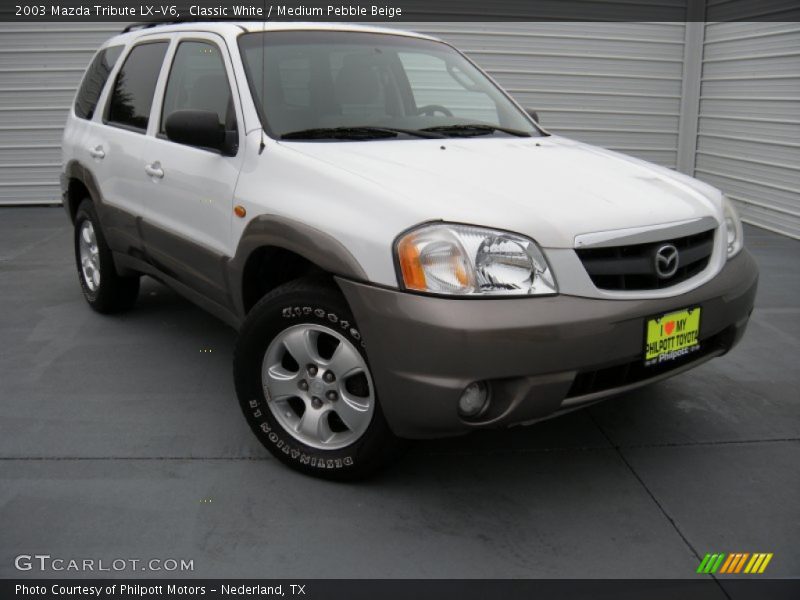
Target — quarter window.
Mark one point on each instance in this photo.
(197, 81)
(134, 87)
(95, 80)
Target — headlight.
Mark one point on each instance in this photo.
(465, 260)
(733, 228)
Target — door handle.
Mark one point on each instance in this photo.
(154, 170)
(97, 152)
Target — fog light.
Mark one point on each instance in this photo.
(474, 399)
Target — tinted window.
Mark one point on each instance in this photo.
(305, 80)
(294, 73)
(197, 81)
(133, 89)
(95, 80)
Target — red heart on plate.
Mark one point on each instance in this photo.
(669, 327)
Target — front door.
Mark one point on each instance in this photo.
(189, 204)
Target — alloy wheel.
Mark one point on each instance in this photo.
(318, 386)
(89, 255)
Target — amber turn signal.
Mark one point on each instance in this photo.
(410, 265)
(239, 211)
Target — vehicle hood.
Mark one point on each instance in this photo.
(549, 188)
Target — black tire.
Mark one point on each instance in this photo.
(114, 293)
(316, 302)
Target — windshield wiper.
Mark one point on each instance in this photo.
(365, 132)
(473, 129)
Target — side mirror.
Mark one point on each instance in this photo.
(532, 114)
(200, 128)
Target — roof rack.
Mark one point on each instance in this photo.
(149, 24)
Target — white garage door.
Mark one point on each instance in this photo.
(749, 125)
(40, 68)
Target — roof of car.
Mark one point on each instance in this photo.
(255, 26)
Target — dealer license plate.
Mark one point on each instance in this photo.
(672, 336)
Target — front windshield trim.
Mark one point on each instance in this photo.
(255, 93)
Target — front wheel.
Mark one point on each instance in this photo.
(305, 386)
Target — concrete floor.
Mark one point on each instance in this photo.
(116, 432)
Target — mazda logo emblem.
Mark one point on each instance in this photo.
(666, 261)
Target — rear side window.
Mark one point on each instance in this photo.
(198, 81)
(132, 95)
(95, 80)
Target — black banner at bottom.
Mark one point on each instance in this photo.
(390, 589)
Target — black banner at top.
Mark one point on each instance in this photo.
(399, 10)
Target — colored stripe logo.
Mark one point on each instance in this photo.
(735, 562)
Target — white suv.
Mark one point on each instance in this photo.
(405, 252)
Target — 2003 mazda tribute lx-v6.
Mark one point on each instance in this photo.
(405, 252)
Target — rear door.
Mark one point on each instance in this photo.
(187, 227)
(116, 138)
(80, 128)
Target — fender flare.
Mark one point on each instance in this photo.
(316, 246)
(77, 171)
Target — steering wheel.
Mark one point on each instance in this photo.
(430, 109)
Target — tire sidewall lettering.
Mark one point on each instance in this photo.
(290, 449)
(293, 312)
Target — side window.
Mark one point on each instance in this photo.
(132, 96)
(95, 80)
(197, 81)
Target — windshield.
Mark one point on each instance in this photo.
(316, 85)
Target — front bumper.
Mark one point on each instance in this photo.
(541, 356)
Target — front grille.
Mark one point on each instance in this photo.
(599, 380)
(634, 267)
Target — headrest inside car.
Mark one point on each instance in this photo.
(358, 81)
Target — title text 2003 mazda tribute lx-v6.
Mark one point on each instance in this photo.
(404, 251)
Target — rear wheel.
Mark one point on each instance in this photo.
(305, 385)
(104, 289)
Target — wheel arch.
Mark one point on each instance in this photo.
(274, 250)
(79, 182)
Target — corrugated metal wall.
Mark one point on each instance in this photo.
(617, 85)
(748, 140)
(40, 68)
